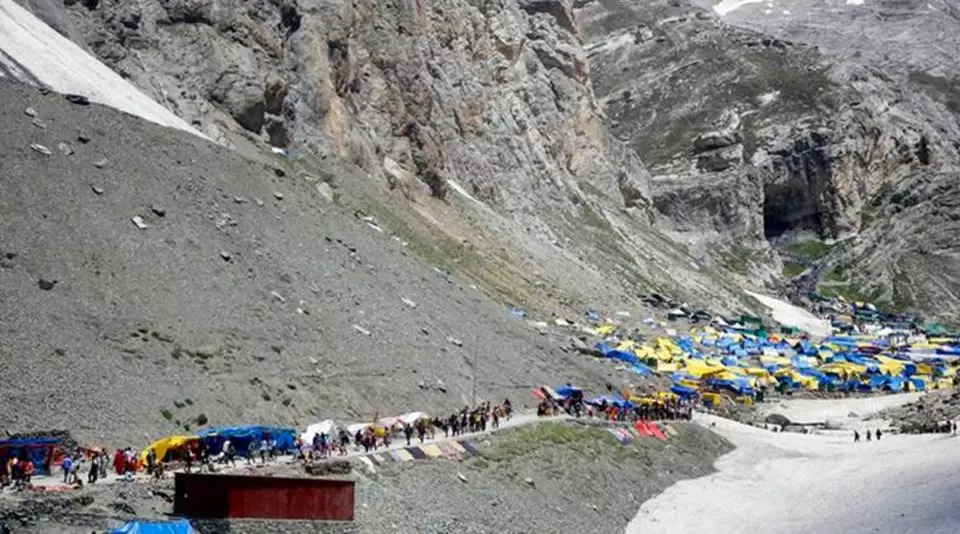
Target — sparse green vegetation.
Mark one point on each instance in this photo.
(792, 269)
(165, 413)
(527, 440)
(836, 276)
(812, 250)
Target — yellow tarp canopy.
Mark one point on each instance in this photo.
(666, 367)
(607, 329)
(699, 368)
(161, 446)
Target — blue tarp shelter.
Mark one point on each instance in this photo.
(612, 401)
(39, 450)
(242, 436)
(567, 391)
(163, 527)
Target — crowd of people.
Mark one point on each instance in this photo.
(197, 454)
(17, 471)
(652, 410)
(372, 438)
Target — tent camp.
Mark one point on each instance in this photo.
(162, 527)
(40, 451)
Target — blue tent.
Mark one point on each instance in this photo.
(567, 391)
(682, 391)
(242, 436)
(161, 527)
(39, 450)
(612, 401)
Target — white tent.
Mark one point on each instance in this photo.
(357, 427)
(323, 427)
(412, 417)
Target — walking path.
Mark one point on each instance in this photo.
(519, 420)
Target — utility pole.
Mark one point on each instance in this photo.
(476, 345)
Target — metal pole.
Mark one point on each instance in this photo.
(476, 345)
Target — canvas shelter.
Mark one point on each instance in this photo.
(40, 450)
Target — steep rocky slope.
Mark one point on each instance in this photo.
(779, 124)
(441, 103)
(247, 296)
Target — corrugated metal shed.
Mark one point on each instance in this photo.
(209, 496)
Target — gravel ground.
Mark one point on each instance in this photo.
(549, 477)
(248, 298)
(929, 413)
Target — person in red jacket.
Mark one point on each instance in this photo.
(119, 462)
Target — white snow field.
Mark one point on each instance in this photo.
(789, 315)
(729, 6)
(787, 483)
(33, 52)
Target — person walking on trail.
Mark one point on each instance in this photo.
(264, 449)
(856, 437)
(94, 468)
(868, 434)
(878, 434)
(407, 432)
(344, 442)
(67, 466)
(151, 461)
(229, 453)
(421, 430)
(28, 470)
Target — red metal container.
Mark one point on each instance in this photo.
(208, 496)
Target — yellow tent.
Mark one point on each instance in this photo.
(667, 344)
(699, 368)
(666, 367)
(606, 329)
(161, 446)
(645, 351)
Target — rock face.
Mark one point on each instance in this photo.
(764, 129)
(493, 99)
(759, 130)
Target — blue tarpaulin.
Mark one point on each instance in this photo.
(162, 527)
(242, 436)
(37, 449)
(611, 401)
(518, 312)
(567, 391)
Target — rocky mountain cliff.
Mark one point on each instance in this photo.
(567, 153)
(780, 124)
(474, 120)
